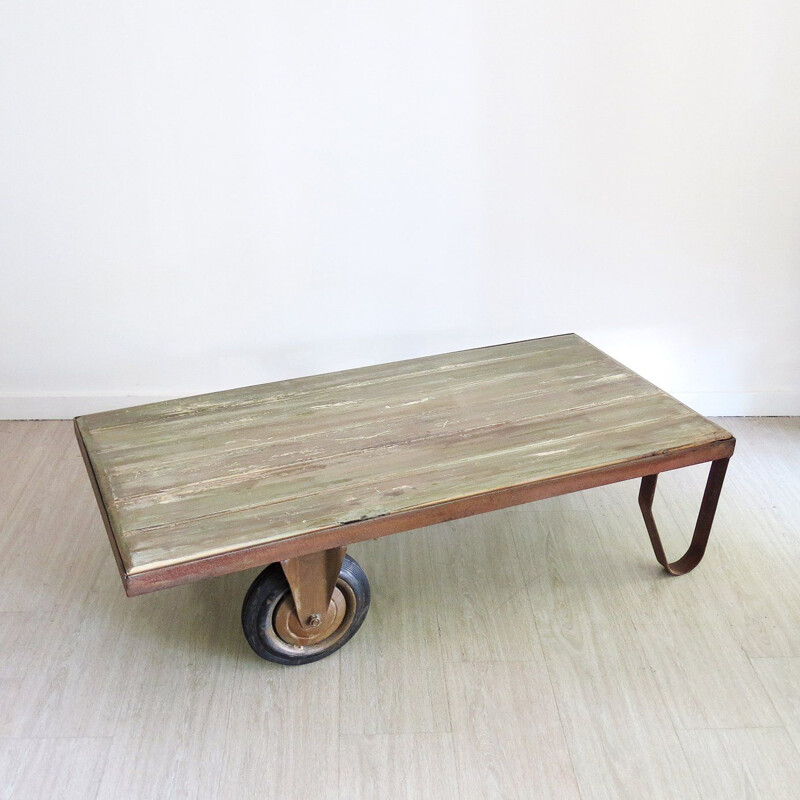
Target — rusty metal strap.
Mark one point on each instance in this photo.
(692, 557)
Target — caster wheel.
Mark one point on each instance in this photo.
(273, 630)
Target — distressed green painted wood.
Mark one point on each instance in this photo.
(190, 478)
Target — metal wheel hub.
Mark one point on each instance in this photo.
(293, 632)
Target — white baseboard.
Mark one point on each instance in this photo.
(46, 406)
(742, 404)
(717, 404)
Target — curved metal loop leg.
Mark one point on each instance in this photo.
(691, 558)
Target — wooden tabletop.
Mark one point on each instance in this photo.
(188, 484)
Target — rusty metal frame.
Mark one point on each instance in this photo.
(344, 534)
(692, 557)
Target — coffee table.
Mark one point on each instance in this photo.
(287, 474)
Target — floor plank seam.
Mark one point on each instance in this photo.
(56, 738)
(338, 758)
(734, 728)
(339, 790)
(760, 682)
(772, 658)
(100, 781)
(688, 763)
(444, 663)
(514, 535)
(476, 661)
(449, 696)
(228, 724)
(645, 660)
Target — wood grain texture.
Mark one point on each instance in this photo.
(188, 479)
(781, 678)
(174, 695)
(476, 624)
(743, 764)
(506, 730)
(281, 736)
(762, 489)
(51, 769)
(414, 766)
(395, 674)
(621, 740)
(705, 676)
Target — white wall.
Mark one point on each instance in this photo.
(200, 195)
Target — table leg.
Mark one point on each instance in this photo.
(312, 579)
(692, 557)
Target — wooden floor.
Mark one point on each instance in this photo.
(536, 652)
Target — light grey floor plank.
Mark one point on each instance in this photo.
(743, 764)
(706, 679)
(395, 674)
(479, 593)
(54, 547)
(51, 535)
(282, 733)
(24, 448)
(27, 664)
(51, 769)
(28, 447)
(781, 678)
(758, 584)
(699, 664)
(507, 733)
(754, 546)
(621, 739)
(175, 691)
(413, 766)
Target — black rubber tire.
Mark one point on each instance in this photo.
(263, 597)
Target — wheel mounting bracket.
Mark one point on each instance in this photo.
(312, 579)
